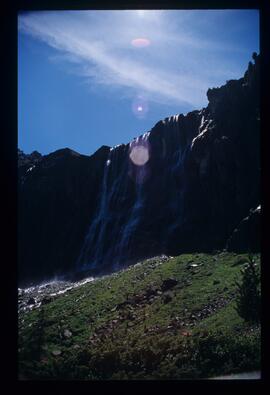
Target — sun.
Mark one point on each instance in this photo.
(141, 12)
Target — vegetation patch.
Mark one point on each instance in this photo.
(172, 319)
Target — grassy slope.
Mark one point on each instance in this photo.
(189, 331)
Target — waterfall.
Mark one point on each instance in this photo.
(139, 175)
(118, 221)
(98, 246)
(131, 225)
(96, 229)
(176, 149)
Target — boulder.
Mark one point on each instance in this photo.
(46, 300)
(56, 353)
(67, 333)
(31, 301)
(167, 298)
(168, 284)
(152, 291)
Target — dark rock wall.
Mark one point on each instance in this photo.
(102, 212)
(56, 202)
(247, 235)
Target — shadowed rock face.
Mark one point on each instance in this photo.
(246, 237)
(56, 202)
(182, 187)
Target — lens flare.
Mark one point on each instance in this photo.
(140, 107)
(139, 155)
(140, 42)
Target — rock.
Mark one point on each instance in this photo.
(31, 301)
(46, 300)
(139, 298)
(67, 333)
(44, 360)
(186, 333)
(151, 291)
(167, 298)
(56, 353)
(246, 237)
(168, 284)
(76, 347)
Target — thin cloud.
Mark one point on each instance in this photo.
(100, 43)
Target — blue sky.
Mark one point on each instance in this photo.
(92, 78)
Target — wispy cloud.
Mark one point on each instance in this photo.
(100, 42)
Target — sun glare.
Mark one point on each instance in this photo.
(140, 106)
(141, 12)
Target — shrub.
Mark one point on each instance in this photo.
(248, 302)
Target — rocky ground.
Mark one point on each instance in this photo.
(38, 295)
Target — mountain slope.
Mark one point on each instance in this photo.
(165, 318)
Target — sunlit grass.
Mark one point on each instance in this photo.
(151, 338)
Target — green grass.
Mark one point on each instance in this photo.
(171, 336)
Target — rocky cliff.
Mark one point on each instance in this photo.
(183, 186)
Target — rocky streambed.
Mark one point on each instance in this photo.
(35, 296)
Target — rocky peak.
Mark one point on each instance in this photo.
(63, 152)
(26, 163)
(226, 97)
(102, 152)
(28, 159)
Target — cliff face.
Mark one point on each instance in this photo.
(247, 235)
(183, 186)
(57, 199)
